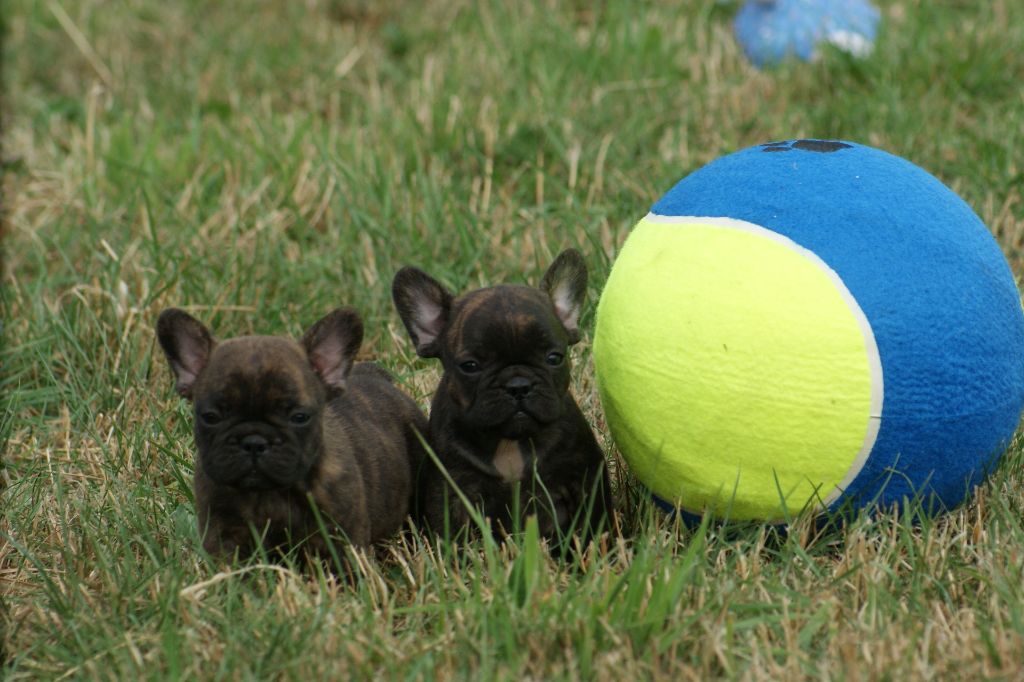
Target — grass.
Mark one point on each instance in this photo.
(261, 162)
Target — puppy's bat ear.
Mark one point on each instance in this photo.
(423, 304)
(332, 344)
(187, 345)
(565, 283)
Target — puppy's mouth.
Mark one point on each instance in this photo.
(521, 413)
(245, 472)
(522, 420)
(247, 477)
(255, 481)
(509, 416)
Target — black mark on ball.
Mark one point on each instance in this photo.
(823, 146)
(820, 146)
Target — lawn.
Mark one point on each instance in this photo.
(259, 163)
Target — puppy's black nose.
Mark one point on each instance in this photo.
(518, 387)
(255, 444)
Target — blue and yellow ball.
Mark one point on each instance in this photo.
(809, 324)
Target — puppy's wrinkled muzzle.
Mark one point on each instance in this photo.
(254, 456)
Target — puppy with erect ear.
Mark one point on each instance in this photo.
(291, 436)
(423, 304)
(503, 423)
(187, 345)
(332, 344)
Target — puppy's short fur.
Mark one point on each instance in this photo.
(502, 421)
(285, 433)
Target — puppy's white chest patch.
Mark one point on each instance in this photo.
(509, 461)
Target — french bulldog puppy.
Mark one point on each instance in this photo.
(502, 421)
(290, 436)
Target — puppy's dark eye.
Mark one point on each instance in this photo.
(210, 417)
(299, 418)
(470, 367)
(554, 359)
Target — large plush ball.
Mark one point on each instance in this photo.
(772, 30)
(810, 323)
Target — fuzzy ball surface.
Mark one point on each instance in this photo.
(769, 31)
(810, 323)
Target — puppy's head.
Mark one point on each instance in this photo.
(259, 400)
(504, 349)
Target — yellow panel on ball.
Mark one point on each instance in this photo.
(746, 382)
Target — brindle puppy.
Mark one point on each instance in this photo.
(286, 433)
(502, 421)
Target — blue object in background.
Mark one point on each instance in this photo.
(771, 30)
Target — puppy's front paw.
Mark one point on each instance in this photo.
(554, 511)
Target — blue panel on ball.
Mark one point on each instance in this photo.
(939, 296)
(689, 519)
